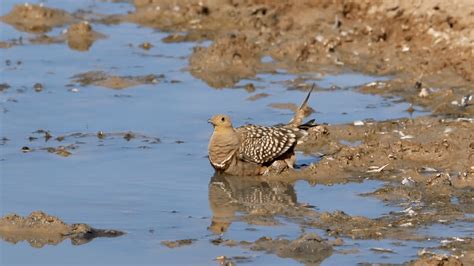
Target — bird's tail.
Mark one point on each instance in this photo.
(297, 120)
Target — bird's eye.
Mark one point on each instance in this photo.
(222, 119)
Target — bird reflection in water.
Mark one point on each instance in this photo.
(253, 197)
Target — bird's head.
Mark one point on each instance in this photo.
(220, 121)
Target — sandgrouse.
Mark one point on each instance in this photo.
(255, 150)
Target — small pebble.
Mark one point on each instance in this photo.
(250, 88)
(38, 87)
(146, 46)
(101, 134)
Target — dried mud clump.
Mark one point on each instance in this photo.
(36, 18)
(226, 61)
(102, 79)
(40, 229)
(81, 36)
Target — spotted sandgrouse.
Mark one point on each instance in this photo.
(255, 150)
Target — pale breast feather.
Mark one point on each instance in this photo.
(261, 144)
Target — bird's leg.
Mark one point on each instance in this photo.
(291, 161)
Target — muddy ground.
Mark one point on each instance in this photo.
(40, 229)
(425, 47)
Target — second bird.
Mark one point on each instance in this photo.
(256, 150)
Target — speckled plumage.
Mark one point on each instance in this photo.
(254, 149)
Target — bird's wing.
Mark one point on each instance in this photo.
(261, 144)
(300, 113)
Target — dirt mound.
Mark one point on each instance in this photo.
(36, 18)
(40, 229)
(226, 61)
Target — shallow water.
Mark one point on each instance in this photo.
(154, 192)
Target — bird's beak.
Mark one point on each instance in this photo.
(209, 121)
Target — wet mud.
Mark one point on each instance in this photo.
(345, 34)
(40, 229)
(422, 52)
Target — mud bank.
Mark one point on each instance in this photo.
(431, 42)
(40, 229)
(422, 48)
(423, 149)
(427, 164)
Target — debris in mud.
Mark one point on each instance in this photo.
(102, 79)
(178, 243)
(36, 18)
(40, 229)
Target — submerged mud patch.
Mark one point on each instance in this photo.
(65, 145)
(40, 229)
(178, 243)
(308, 248)
(102, 79)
